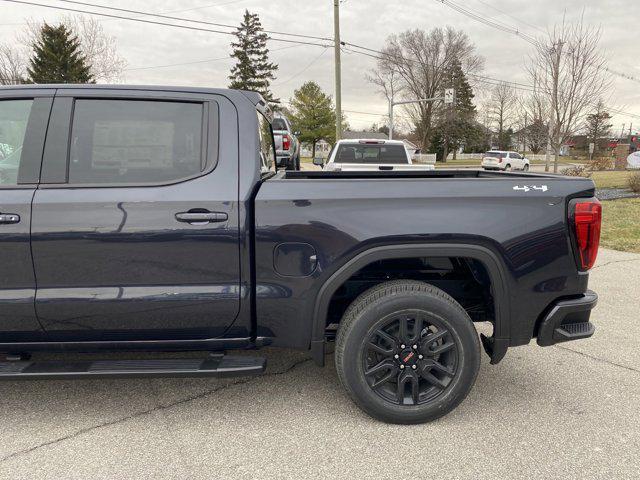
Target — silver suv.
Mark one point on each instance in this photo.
(287, 144)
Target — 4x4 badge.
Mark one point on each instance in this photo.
(528, 188)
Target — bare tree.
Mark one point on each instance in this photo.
(420, 60)
(388, 82)
(502, 108)
(98, 47)
(569, 70)
(12, 66)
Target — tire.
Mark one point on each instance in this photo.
(297, 166)
(291, 164)
(526, 167)
(507, 167)
(361, 338)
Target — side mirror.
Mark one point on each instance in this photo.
(319, 161)
(296, 133)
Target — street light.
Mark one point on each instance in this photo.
(448, 98)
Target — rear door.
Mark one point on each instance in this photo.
(135, 224)
(516, 160)
(23, 124)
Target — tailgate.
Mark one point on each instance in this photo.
(277, 139)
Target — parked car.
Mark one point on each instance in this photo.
(505, 160)
(370, 155)
(151, 218)
(287, 144)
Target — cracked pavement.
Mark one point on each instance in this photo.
(565, 411)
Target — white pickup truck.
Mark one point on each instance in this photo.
(369, 155)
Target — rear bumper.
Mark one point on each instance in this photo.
(493, 166)
(283, 159)
(568, 320)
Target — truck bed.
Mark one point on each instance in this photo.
(440, 173)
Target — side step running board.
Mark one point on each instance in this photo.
(574, 331)
(212, 366)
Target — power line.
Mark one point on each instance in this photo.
(190, 20)
(154, 22)
(169, 11)
(194, 62)
(491, 23)
(482, 78)
(511, 16)
(303, 70)
(528, 38)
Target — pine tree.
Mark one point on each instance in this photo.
(456, 123)
(57, 58)
(313, 115)
(597, 124)
(252, 71)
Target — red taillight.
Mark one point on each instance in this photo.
(500, 159)
(286, 142)
(587, 219)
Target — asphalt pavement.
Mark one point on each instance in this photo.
(568, 411)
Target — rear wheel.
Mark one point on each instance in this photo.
(508, 167)
(407, 352)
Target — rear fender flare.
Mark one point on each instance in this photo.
(493, 264)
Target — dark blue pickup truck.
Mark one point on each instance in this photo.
(152, 218)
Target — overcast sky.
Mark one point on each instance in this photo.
(147, 48)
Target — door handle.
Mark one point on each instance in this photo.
(202, 217)
(9, 218)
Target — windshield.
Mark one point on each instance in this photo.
(395, 154)
(493, 154)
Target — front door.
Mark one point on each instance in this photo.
(23, 122)
(135, 225)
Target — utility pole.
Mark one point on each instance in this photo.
(336, 47)
(555, 72)
(391, 118)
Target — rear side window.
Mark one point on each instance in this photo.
(279, 124)
(14, 117)
(365, 154)
(135, 141)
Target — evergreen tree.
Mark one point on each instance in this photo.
(597, 124)
(252, 71)
(57, 58)
(313, 115)
(456, 123)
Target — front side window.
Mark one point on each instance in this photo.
(14, 116)
(267, 148)
(135, 142)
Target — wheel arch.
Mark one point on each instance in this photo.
(494, 266)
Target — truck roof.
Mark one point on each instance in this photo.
(253, 97)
